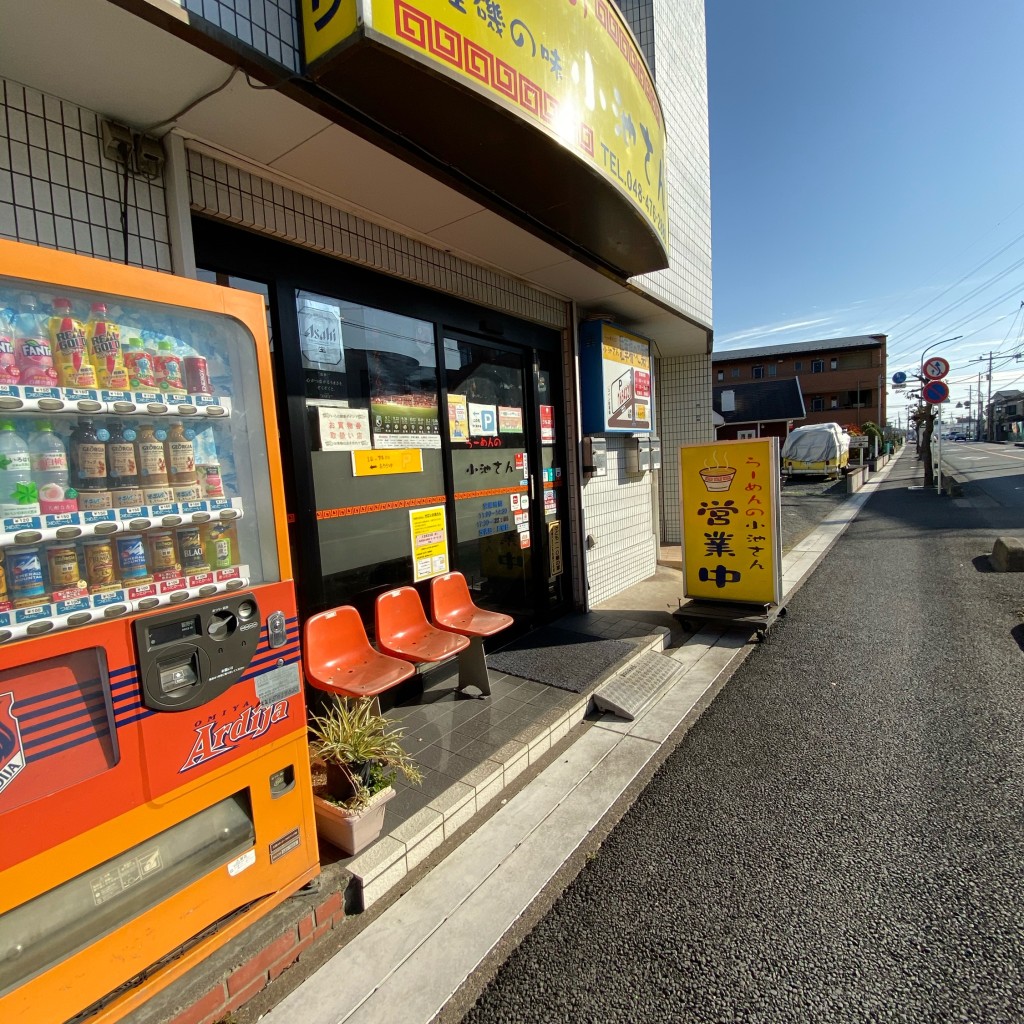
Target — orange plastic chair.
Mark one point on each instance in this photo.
(339, 658)
(452, 609)
(403, 630)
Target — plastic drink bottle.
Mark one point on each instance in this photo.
(170, 371)
(181, 460)
(122, 465)
(104, 340)
(49, 461)
(139, 363)
(9, 371)
(89, 475)
(67, 340)
(32, 347)
(18, 494)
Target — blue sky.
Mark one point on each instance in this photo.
(867, 166)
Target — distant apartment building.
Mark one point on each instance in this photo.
(842, 379)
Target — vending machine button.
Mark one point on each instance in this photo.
(148, 602)
(200, 517)
(234, 584)
(9, 402)
(88, 405)
(177, 596)
(114, 610)
(140, 524)
(51, 404)
(79, 618)
(171, 521)
(5, 635)
(124, 407)
(187, 410)
(229, 513)
(28, 537)
(156, 409)
(43, 626)
(69, 532)
(106, 528)
(208, 589)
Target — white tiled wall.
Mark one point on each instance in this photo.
(678, 57)
(684, 398)
(618, 516)
(58, 190)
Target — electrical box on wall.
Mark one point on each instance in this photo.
(595, 456)
(638, 455)
(655, 443)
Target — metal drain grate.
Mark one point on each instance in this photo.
(626, 693)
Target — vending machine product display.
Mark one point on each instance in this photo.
(154, 773)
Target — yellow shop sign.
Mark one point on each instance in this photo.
(732, 521)
(570, 67)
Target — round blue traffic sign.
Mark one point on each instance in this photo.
(934, 392)
(899, 377)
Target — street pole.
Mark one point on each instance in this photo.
(938, 474)
(988, 407)
(977, 420)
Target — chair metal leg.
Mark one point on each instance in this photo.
(473, 667)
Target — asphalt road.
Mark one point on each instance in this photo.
(993, 470)
(839, 837)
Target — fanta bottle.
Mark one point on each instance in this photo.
(32, 347)
(9, 372)
(67, 340)
(104, 345)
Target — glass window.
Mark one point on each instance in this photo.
(817, 405)
(834, 403)
(798, 366)
(721, 374)
(757, 372)
(372, 401)
(818, 366)
(833, 364)
(772, 369)
(735, 371)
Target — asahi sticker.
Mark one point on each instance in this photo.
(239, 864)
(12, 753)
(216, 738)
(320, 334)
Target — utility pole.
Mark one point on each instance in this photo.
(977, 420)
(988, 407)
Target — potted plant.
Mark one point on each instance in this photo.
(356, 756)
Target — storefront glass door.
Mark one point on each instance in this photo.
(488, 417)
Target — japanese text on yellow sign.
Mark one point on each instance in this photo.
(429, 542)
(571, 67)
(326, 23)
(387, 462)
(731, 521)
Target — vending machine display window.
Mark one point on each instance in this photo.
(133, 462)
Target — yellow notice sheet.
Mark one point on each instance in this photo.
(429, 542)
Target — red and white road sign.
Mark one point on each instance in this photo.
(935, 368)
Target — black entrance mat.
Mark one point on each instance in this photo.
(559, 657)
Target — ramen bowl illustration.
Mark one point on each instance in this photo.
(718, 478)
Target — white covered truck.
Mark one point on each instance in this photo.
(818, 449)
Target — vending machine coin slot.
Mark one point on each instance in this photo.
(187, 659)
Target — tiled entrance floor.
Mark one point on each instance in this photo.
(470, 749)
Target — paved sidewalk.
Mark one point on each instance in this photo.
(406, 965)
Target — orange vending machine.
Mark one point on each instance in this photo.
(154, 775)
